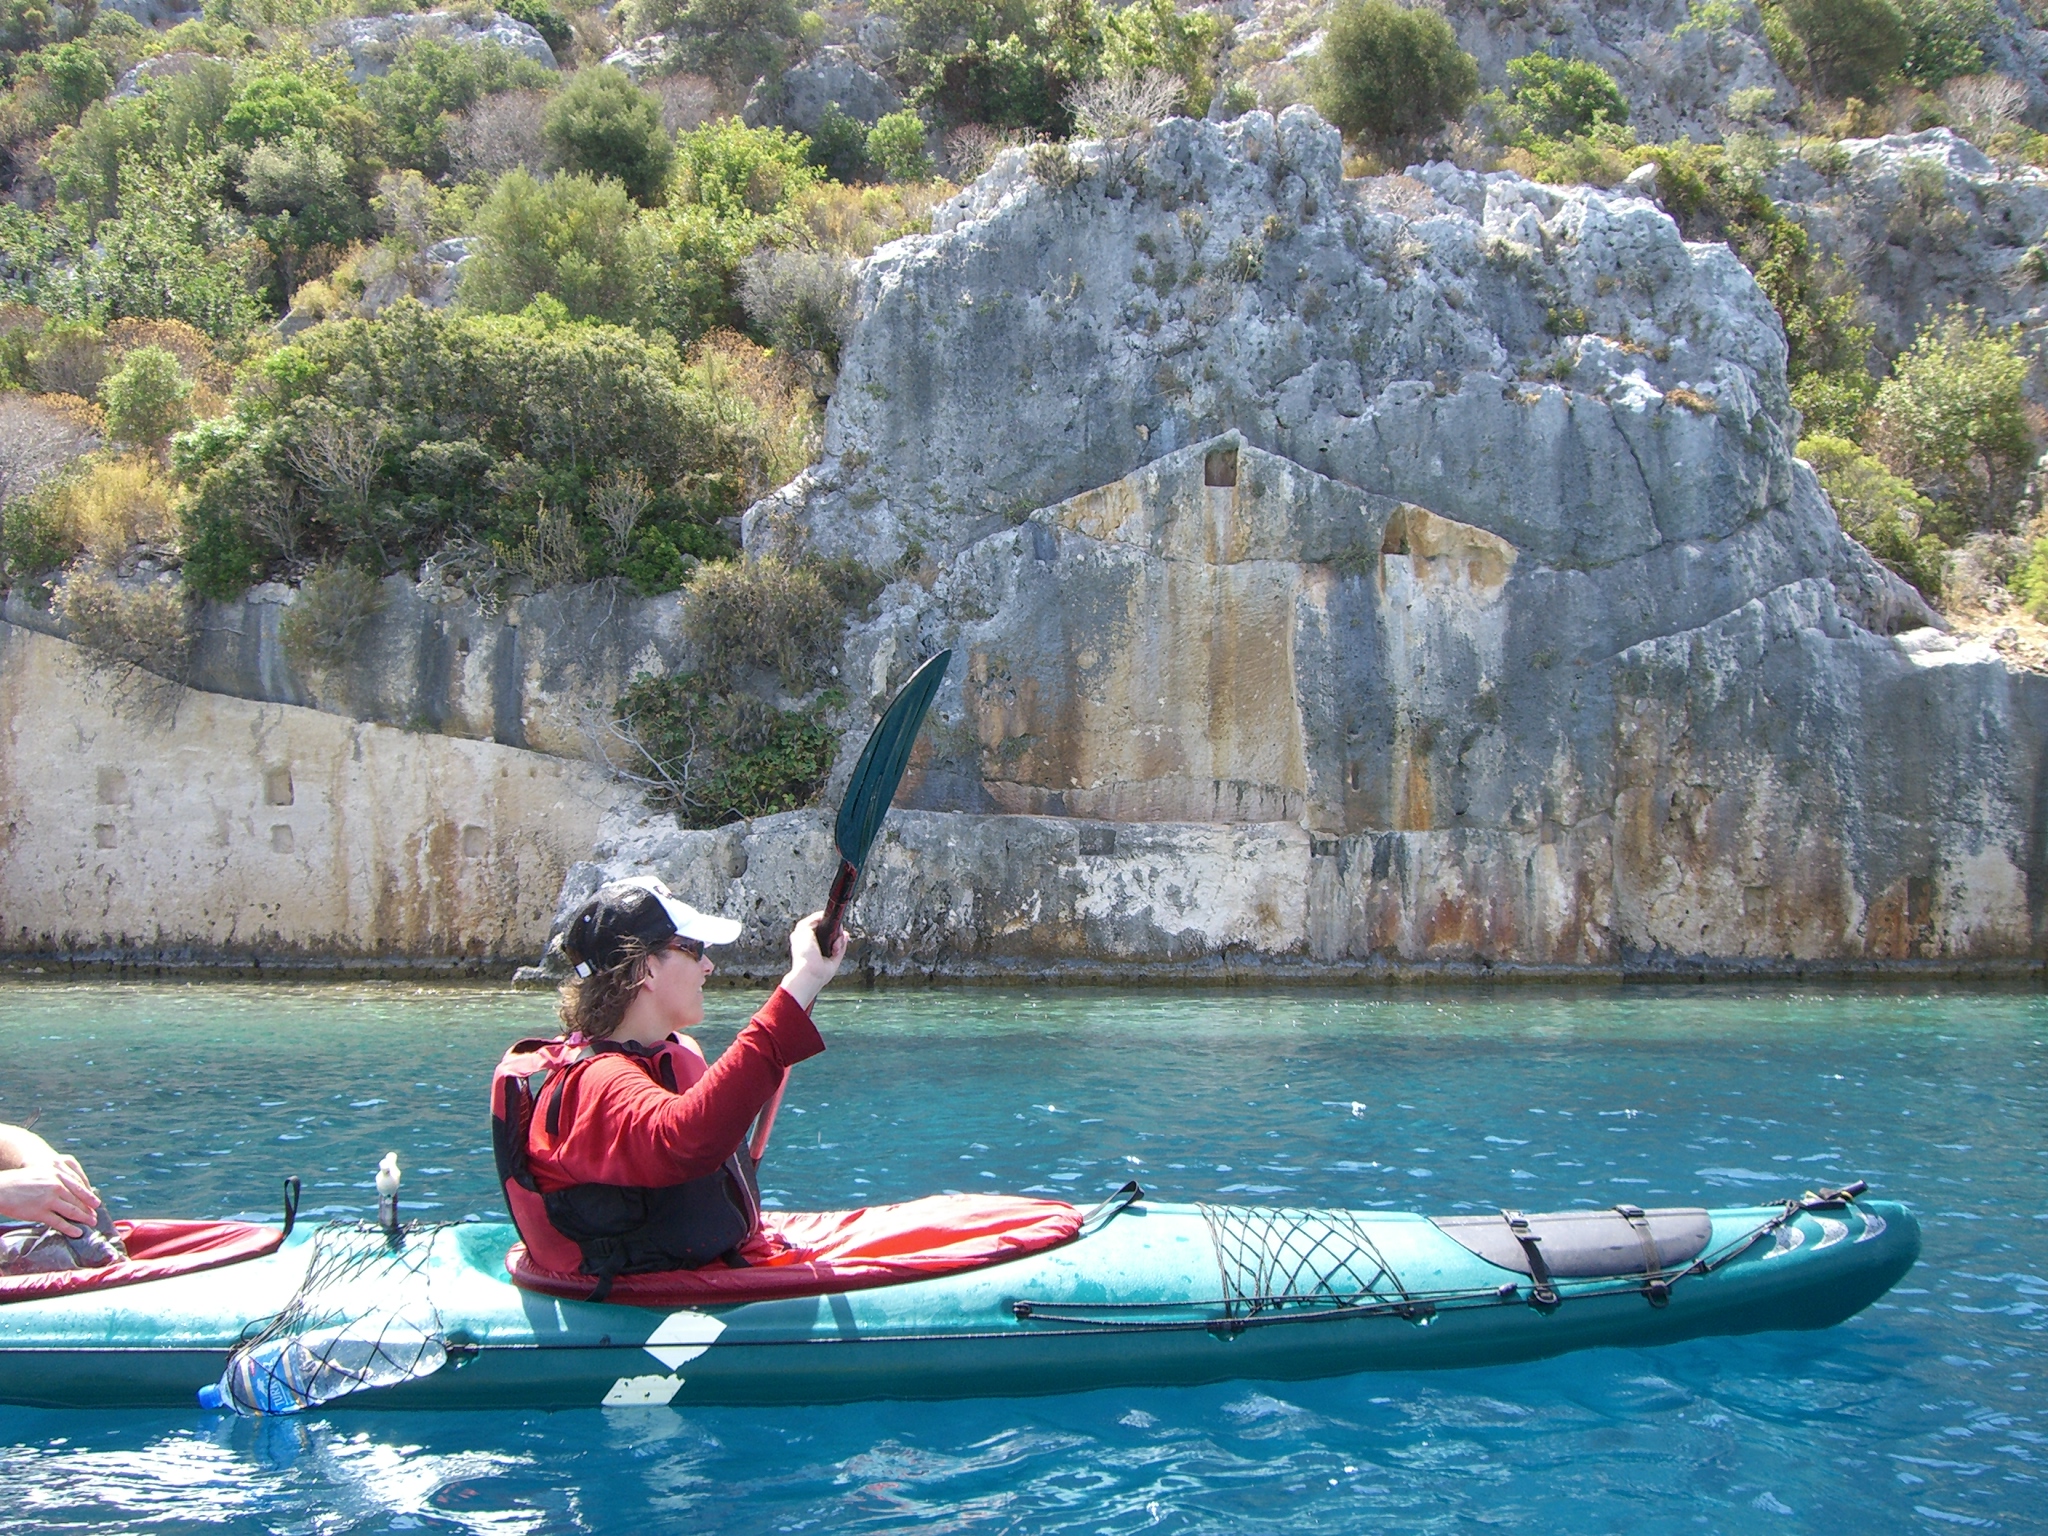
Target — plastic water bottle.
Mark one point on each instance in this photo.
(287, 1375)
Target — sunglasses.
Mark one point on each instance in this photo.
(694, 948)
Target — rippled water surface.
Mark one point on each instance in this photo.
(1928, 1412)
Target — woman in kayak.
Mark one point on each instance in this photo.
(45, 1187)
(620, 1149)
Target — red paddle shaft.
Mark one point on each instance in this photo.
(828, 926)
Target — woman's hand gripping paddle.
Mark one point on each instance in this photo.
(868, 793)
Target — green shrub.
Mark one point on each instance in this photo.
(1879, 510)
(839, 146)
(735, 42)
(718, 758)
(1152, 34)
(1391, 76)
(221, 559)
(173, 254)
(737, 171)
(1560, 97)
(272, 103)
(385, 441)
(430, 83)
(2030, 580)
(77, 75)
(1952, 418)
(799, 301)
(147, 398)
(299, 189)
(896, 146)
(604, 125)
(573, 236)
(36, 537)
(1851, 46)
(1944, 39)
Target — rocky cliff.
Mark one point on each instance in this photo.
(1410, 574)
(1403, 573)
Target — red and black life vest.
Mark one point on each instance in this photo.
(608, 1230)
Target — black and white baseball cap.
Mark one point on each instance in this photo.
(639, 908)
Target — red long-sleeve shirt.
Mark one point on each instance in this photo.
(619, 1126)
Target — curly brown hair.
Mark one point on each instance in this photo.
(595, 1005)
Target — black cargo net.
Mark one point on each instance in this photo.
(1273, 1259)
(364, 1316)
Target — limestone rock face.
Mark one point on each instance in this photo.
(1446, 524)
(229, 832)
(830, 77)
(372, 42)
(1926, 221)
(1680, 80)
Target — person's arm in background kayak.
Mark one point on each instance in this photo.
(39, 1183)
(624, 1128)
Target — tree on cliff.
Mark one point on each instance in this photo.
(1952, 419)
(1391, 76)
(1852, 46)
(605, 125)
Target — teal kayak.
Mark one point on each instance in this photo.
(1148, 1294)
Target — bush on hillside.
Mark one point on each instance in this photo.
(420, 100)
(318, 631)
(762, 614)
(1851, 46)
(737, 172)
(383, 441)
(732, 42)
(573, 237)
(1879, 510)
(604, 125)
(1391, 76)
(551, 24)
(896, 147)
(1952, 419)
(839, 146)
(1562, 97)
(714, 758)
(799, 301)
(1944, 39)
(147, 398)
(2030, 580)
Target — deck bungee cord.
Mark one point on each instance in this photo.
(1322, 1302)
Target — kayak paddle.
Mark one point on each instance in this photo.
(873, 786)
(868, 793)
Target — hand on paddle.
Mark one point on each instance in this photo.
(809, 967)
(38, 1183)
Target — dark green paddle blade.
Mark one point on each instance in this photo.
(882, 761)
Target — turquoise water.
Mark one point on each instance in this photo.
(1918, 1415)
